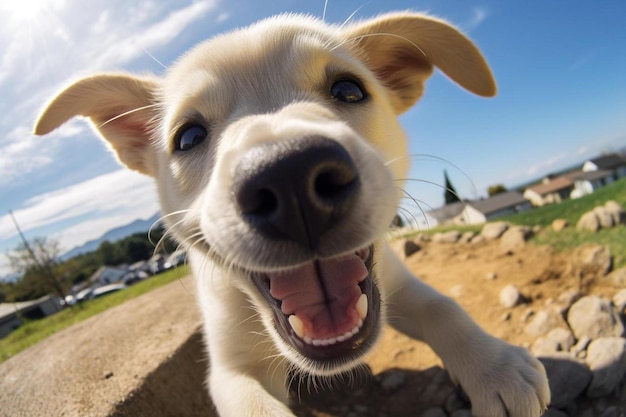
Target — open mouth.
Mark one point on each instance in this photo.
(327, 309)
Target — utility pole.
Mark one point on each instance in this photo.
(44, 268)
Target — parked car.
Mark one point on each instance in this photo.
(106, 289)
(84, 295)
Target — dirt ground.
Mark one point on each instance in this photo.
(145, 358)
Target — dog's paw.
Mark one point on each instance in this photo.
(504, 381)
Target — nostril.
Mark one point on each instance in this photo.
(334, 184)
(260, 202)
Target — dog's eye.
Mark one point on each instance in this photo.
(347, 91)
(189, 136)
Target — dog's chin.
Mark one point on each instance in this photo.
(327, 310)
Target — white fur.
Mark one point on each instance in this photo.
(264, 85)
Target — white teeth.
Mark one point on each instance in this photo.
(296, 325)
(332, 340)
(361, 306)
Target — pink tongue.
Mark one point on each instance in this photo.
(322, 294)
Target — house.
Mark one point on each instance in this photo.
(586, 182)
(11, 314)
(503, 204)
(552, 190)
(106, 275)
(613, 162)
(444, 215)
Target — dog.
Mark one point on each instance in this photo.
(279, 161)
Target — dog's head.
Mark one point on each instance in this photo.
(278, 155)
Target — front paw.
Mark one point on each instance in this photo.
(502, 380)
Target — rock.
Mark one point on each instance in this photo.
(604, 217)
(491, 276)
(617, 278)
(580, 346)
(526, 315)
(567, 298)
(616, 211)
(593, 258)
(410, 247)
(588, 221)
(514, 237)
(559, 224)
(551, 412)
(461, 413)
(567, 377)
(452, 236)
(434, 412)
(594, 317)
(456, 291)
(392, 380)
(494, 230)
(619, 301)
(467, 237)
(563, 337)
(544, 347)
(541, 323)
(611, 411)
(606, 358)
(510, 296)
(455, 402)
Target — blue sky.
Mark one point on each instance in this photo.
(560, 68)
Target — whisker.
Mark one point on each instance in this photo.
(345, 22)
(155, 59)
(119, 116)
(369, 35)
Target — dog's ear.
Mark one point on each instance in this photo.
(121, 107)
(402, 48)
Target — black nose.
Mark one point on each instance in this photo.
(296, 190)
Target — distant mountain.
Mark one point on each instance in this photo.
(112, 236)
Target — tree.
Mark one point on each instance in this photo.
(37, 264)
(450, 195)
(496, 189)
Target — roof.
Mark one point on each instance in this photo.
(499, 202)
(590, 175)
(556, 184)
(447, 212)
(610, 161)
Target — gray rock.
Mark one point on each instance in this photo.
(434, 412)
(467, 237)
(494, 230)
(594, 317)
(461, 413)
(567, 298)
(588, 221)
(559, 224)
(544, 347)
(514, 238)
(554, 413)
(616, 211)
(410, 247)
(510, 296)
(611, 411)
(567, 377)
(594, 258)
(563, 337)
(606, 358)
(452, 236)
(580, 346)
(619, 299)
(455, 401)
(604, 217)
(541, 323)
(617, 278)
(392, 380)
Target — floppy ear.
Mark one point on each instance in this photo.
(121, 107)
(402, 48)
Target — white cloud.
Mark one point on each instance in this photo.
(120, 196)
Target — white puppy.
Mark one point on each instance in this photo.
(278, 158)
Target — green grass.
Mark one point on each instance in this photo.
(572, 210)
(34, 331)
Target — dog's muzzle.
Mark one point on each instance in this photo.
(296, 192)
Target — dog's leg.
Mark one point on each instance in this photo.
(500, 379)
(246, 377)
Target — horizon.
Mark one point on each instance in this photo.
(561, 100)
